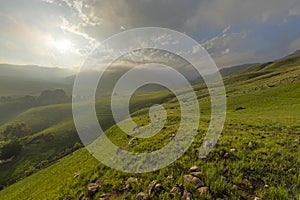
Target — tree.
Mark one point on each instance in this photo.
(17, 130)
(10, 149)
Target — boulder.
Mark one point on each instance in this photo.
(142, 196)
(176, 190)
(187, 195)
(194, 169)
(233, 150)
(92, 188)
(203, 190)
(158, 188)
(151, 186)
(197, 174)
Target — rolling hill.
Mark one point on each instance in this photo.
(256, 156)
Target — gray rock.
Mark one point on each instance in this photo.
(187, 195)
(194, 169)
(142, 196)
(203, 190)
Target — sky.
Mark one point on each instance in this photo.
(62, 33)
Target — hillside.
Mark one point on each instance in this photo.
(256, 156)
(21, 80)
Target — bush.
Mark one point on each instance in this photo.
(10, 149)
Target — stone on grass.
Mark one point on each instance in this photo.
(203, 190)
(187, 195)
(142, 196)
(194, 169)
(93, 188)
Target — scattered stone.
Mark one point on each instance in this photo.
(197, 174)
(127, 186)
(203, 190)
(226, 155)
(105, 196)
(194, 169)
(202, 156)
(191, 179)
(187, 195)
(68, 198)
(187, 178)
(266, 186)
(142, 196)
(92, 188)
(169, 177)
(130, 143)
(76, 174)
(176, 190)
(158, 188)
(233, 150)
(151, 186)
(196, 181)
(257, 198)
(222, 153)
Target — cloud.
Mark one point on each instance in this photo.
(227, 28)
(294, 45)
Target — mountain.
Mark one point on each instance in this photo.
(256, 155)
(234, 69)
(21, 80)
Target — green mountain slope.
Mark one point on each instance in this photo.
(54, 135)
(257, 154)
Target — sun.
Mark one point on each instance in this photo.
(62, 45)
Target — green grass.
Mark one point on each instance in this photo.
(264, 135)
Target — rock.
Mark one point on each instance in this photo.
(176, 190)
(203, 190)
(194, 169)
(76, 174)
(233, 150)
(187, 195)
(222, 153)
(142, 196)
(105, 196)
(151, 186)
(158, 188)
(201, 156)
(68, 198)
(187, 178)
(196, 180)
(191, 179)
(127, 186)
(226, 155)
(266, 186)
(197, 174)
(93, 188)
(257, 198)
(130, 143)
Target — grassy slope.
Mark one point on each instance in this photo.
(270, 121)
(54, 135)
